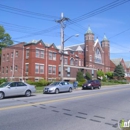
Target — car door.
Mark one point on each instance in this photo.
(10, 90)
(66, 86)
(21, 88)
(62, 86)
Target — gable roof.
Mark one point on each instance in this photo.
(77, 47)
(116, 61)
(97, 42)
(127, 63)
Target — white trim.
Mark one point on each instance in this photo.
(52, 65)
(39, 48)
(27, 48)
(26, 63)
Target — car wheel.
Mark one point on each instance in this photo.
(92, 88)
(1, 95)
(70, 89)
(28, 93)
(57, 91)
(99, 87)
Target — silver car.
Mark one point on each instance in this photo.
(57, 87)
(16, 88)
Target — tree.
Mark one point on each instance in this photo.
(79, 76)
(88, 76)
(5, 38)
(109, 74)
(119, 71)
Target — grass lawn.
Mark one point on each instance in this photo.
(39, 89)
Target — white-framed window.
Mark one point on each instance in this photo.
(71, 61)
(52, 70)
(54, 56)
(36, 68)
(16, 54)
(41, 53)
(41, 69)
(37, 53)
(98, 56)
(11, 68)
(27, 53)
(11, 54)
(7, 69)
(66, 61)
(7, 57)
(16, 67)
(50, 55)
(26, 67)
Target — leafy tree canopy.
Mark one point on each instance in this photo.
(109, 74)
(100, 73)
(119, 71)
(5, 38)
(88, 76)
(79, 76)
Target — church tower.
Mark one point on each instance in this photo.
(89, 48)
(106, 48)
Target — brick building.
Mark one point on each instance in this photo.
(36, 60)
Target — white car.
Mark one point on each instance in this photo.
(16, 88)
(57, 87)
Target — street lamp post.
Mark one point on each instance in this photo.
(62, 54)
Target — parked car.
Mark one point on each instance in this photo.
(15, 89)
(57, 87)
(91, 84)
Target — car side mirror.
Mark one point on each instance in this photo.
(8, 86)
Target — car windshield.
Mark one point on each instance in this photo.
(4, 84)
(54, 83)
(89, 81)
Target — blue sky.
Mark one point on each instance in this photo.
(115, 23)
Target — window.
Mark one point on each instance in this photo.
(13, 84)
(98, 57)
(7, 69)
(90, 58)
(3, 57)
(51, 69)
(79, 62)
(16, 67)
(20, 84)
(26, 67)
(37, 53)
(27, 53)
(50, 55)
(76, 62)
(71, 61)
(36, 68)
(65, 61)
(41, 69)
(16, 54)
(7, 57)
(42, 53)
(54, 56)
(11, 54)
(11, 68)
(3, 70)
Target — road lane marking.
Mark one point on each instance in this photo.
(59, 100)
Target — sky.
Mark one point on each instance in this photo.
(27, 20)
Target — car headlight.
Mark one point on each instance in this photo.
(89, 84)
(51, 88)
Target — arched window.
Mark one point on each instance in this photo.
(71, 61)
(98, 57)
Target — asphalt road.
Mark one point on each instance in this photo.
(79, 110)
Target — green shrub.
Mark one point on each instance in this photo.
(3, 80)
(88, 76)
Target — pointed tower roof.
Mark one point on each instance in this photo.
(105, 38)
(89, 30)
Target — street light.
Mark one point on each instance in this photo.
(62, 54)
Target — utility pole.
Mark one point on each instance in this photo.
(61, 21)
